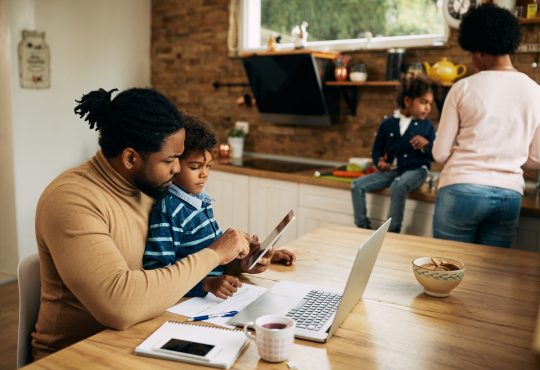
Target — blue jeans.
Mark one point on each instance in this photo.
(399, 185)
(479, 214)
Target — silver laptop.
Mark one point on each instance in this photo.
(318, 312)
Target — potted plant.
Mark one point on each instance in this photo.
(235, 139)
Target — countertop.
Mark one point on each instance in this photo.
(530, 205)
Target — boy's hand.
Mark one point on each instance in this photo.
(284, 256)
(261, 266)
(419, 142)
(383, 165)
(222, 286)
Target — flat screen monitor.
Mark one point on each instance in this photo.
(288, 88)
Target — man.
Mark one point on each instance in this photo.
(92, 223)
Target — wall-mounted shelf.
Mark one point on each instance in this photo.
(365, 83)
(316, 53)
(529, 20)
(349, 90)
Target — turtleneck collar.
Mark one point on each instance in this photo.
(113, 178)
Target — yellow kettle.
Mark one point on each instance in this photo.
(445, 71)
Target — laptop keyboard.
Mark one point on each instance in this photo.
(315, 309)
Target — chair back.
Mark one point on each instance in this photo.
(29, 300)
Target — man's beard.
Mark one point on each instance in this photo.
(155, 191)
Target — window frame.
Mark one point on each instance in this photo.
(250, 33)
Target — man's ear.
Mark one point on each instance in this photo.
(129, 158)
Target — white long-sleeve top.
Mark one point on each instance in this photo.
(489, 128)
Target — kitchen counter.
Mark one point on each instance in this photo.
(530, 205)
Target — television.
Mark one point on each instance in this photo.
(288, 88)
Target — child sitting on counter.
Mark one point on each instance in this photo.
(183, 223)
(401, 152)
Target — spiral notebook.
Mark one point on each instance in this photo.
(230, 343)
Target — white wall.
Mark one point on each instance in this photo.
(93, 44)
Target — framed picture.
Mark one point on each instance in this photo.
(34, 61)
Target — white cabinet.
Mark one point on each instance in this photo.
(231, 193)
(319, 205)
(310, 219)
(252, 204)
(418, 218)
(269, 202)
(257, 204)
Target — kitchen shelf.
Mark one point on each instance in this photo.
(365, 83)
(349, 89)
(316, 53)
(529, 20)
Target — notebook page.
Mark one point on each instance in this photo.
(211, 304)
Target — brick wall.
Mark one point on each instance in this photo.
(189, 52)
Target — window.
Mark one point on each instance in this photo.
(344, 24)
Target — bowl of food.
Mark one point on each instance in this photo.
(438, 275)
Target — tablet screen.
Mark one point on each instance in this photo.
(271, 239)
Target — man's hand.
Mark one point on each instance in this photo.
(261, 266)
(242, 265)
(222, 286)
(232, 244)
(284, 256)
(419, 142)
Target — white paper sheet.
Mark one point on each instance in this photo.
(211, 304)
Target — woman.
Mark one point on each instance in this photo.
(489, 128)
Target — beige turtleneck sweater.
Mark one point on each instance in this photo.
(91, 228)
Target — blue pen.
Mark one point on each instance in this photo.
(206, 317)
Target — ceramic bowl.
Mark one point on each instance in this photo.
(438, 283)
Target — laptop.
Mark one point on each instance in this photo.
(329, 308)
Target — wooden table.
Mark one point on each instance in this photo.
(488, 321)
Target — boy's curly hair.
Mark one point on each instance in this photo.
(414, 87)
(489, 29)
(199, 137)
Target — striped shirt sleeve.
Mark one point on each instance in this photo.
(160, 248)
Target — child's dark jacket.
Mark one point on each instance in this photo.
(389, 144)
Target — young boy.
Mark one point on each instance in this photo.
(183, 222)
(401, 152)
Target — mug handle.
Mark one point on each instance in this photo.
(246, 332)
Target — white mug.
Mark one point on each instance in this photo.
(274, 336)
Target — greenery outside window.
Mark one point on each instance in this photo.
(344, 24)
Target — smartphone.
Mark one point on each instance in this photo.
(271, 239)
(187, 348)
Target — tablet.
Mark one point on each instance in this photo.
(271, 239)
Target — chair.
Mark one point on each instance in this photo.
(29, 300)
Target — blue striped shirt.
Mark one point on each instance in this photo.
(180, 225)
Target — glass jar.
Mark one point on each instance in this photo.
(358, 72)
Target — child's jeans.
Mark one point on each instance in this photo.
(399, 185)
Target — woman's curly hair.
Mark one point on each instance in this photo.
(490, 29)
